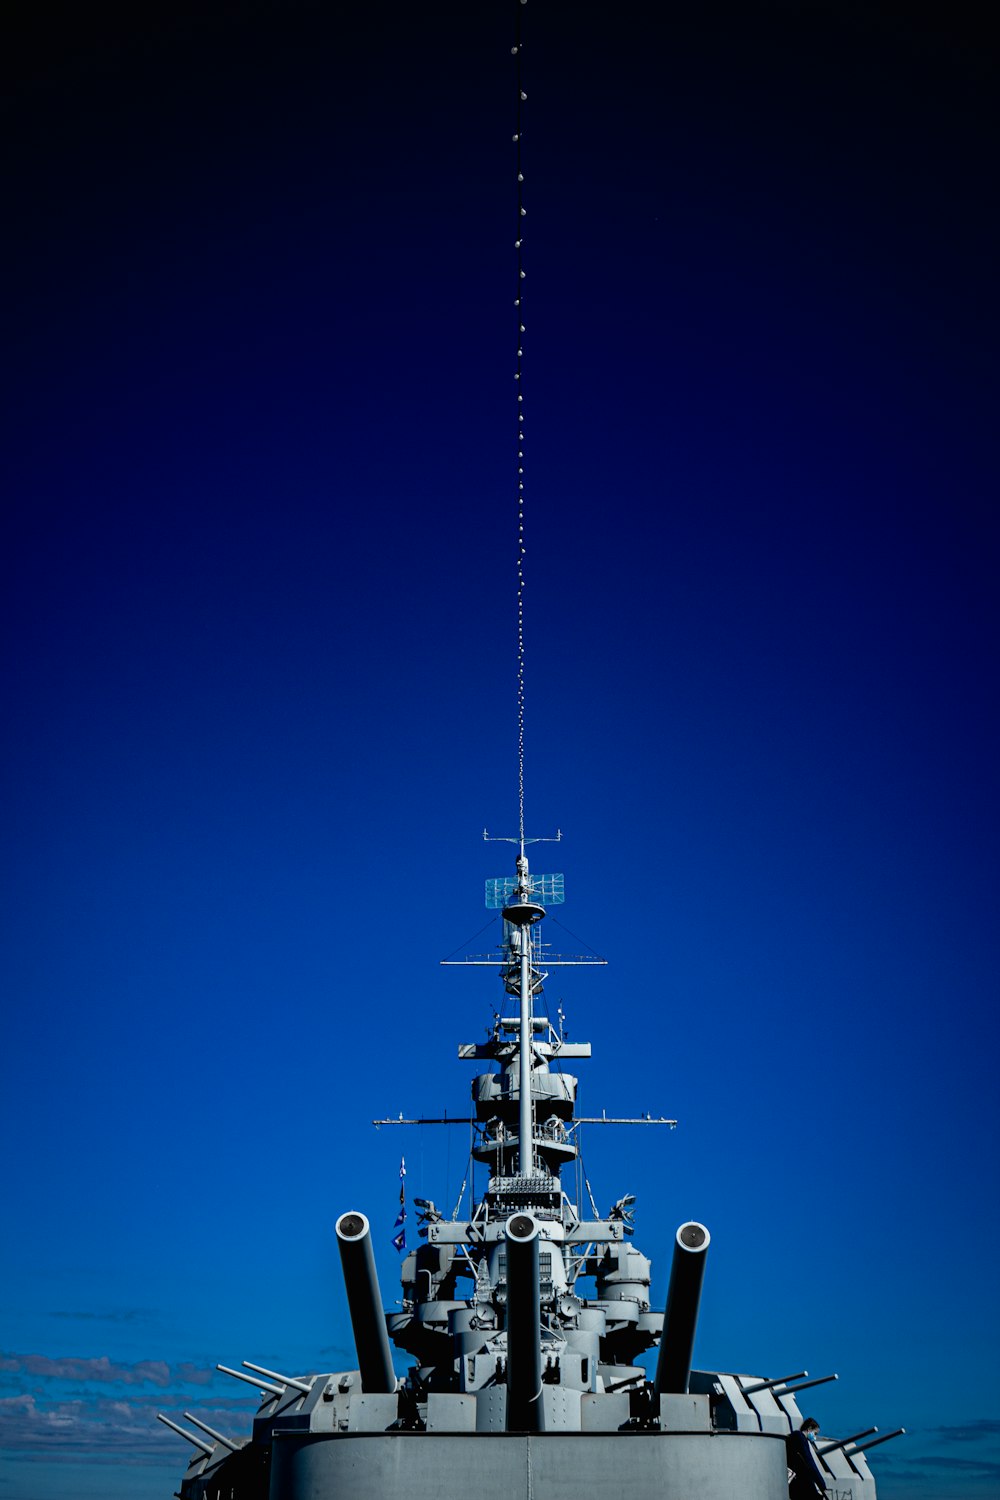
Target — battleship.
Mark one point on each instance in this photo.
(525, 1320)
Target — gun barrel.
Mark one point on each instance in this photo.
(673, 1365)
(365, 1303)
(769, 1385)
(885, 1438)
(305, 1386)
(845, 1442)
(205, 1447)
(226, 1442)
(260, 1385)
(524, 1337)
(793, 1390)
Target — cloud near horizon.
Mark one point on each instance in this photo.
(103, 1371)
(123, 1429)
(79, 1427)
(979, 1427)
(966, 1465)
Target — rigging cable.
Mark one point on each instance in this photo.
(465, 1182)
(491, 923)
(519, 308)
(575, 938)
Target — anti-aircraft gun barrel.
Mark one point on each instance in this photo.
(305, 1386)
(805, 1385)
(524, 1338)
(769, 1385)
(218, 1436)
(855, 1437)
(365, 1303)
(673, 1365)
(885, 1438)
(206, 1448)
(261, 1385)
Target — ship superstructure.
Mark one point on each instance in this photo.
(525, 1321)
(458, 1285)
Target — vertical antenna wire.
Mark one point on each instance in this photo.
(519, 308)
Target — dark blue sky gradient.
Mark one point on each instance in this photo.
(259, 677)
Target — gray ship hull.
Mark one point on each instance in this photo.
(506, 1466)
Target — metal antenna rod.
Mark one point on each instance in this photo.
(519, 308)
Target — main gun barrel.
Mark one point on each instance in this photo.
(673, 1365)
(364, 1300)
(524, 1325)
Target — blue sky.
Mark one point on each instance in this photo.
(259, 680)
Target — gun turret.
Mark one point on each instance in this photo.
(524, 1347)
(673, 1366)
(365, 1303)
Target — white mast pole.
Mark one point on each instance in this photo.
(524, 1060)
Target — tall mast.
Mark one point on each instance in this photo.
(520, 913)
(525, 1118)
